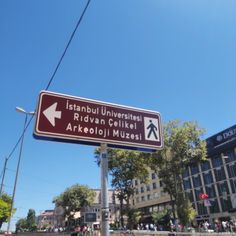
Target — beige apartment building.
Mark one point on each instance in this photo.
(114, 209)
(149, 197)
(52, 219)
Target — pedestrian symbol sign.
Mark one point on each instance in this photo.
(151, 129)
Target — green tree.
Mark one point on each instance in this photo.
(183, 145)
(21, 225)
(161, 217)
(28, 223)
(5, 208)
(125, 166)
(73, 199)
(185, 210)
(134, 216)
(31, 220)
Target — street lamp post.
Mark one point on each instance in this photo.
(3, 176)
(19, 109)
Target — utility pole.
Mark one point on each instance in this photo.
(104, 191)
(18, 163)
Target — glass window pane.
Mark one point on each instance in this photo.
(202, 210)
(217, 161)
(231, 169)
(214, 208)
(153, 175)
(219, 173)
(223, 188)
(197, 192)
(187, 184)
(189, 195)
(207, 176)
(233, 185)
(205, 165)
(210, 190)
(186, 173)
(226, 203)
(197, 181)
(194, 169)
(231, 156)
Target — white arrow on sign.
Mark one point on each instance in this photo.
(51, 113)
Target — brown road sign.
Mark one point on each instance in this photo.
(73, 119)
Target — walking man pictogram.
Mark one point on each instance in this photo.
(152, 130)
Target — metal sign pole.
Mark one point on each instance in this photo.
(104, 191)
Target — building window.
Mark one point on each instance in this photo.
(214, 208)
(194, 169)
(197, 181)
(219, 173)
(231, 156)
(187, 184)
(233, 185)
(142, 189)
(189, 195)
(136, 182)
(207, 176)
(154, 185)
(205, 165)
(210, 190)
(148, 197)
(223, 188)
(156, 195)
(148, 188)
(231, 169)
(198, 191)
(217, 161)
(202, 210)
(226, 203)
(153, 175)
(143, 198)
(136, 191)
(186, 173)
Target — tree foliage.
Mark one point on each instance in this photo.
(5, 208)
(21, 225)
(74, 198)
(183, 146)
(185, 211)
(28, 223)
(134, 216)
(31, 220)
(125, 166)
(162, 218)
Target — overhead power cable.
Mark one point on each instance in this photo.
(55, 71)
(68, 44)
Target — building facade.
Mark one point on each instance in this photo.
(114, 212)
(149, 197)
(51, 219)
(215, 177)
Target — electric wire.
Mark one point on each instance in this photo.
(68, 44)
(54, 73)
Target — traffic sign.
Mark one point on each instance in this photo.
(74, 119)
(90, 217)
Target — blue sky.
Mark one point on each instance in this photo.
(175, 57)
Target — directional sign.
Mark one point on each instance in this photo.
(73, 119)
